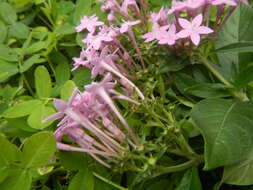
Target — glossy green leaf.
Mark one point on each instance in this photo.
(82, 77)
(190, 180)
(3, 32)
(19, 180)
(35, 47)
(9, 152)
(67, 90)
(40, 113)
(240, 173)
(42, 82)
(21, 109)
(238, 47)
(19, 30)
(7, 13)
(227, 127)
(82, 180)
(62, 73)
(38, 149)
(65, 29)
(20, 3)
(4, 173)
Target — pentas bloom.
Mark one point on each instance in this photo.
(169, 37)
(224, 2)
(193, 29)
(89, 23)
(89, 120)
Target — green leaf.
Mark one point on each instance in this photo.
(42, 82)
(9, 152)
(240, 173)
(62, 73)
(7, 70)
(19, 30)
(83, 7)
(20, 123)
(7, 13)
(187, 85)
(82, 77)
(35, 47)
(235, 30)
(8, 54)
(65, 7)
(67, 90)
(244, 77)
(3, 32)
(238, 47)
(20, 3)
(73, 160)
(4, 173)
(190, 180)
(21, 109)
(35, 59)
(227, 127)
(65, 29)
(40, 113)
(83, 180)
(38, 149)
(19, 180)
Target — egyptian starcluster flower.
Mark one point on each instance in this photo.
(90, 119)
(191, 28)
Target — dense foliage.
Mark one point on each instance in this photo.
(152, 95)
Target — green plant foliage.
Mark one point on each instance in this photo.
(227, 129)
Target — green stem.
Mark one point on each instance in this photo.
(215, 73)
(180, 167)
(109, 182)
(27, 84)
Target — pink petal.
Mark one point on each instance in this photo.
(184, 23)
(197, 20)
(204, 30)
(195, 37)
(123, 28)
(172, 29)
(183, 34)
(60, 105)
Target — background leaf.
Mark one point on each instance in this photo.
(38, 149)
(82, 180)
(42, 82)
(227, 127)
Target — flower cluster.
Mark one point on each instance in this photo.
(90, 119)
(191, 27)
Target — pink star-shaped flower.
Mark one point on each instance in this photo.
(224, 2)
(89, 23)
(169, 37)
(193, 29)
(161, 17)
(156, 33)
(129, 3)
(126, 26)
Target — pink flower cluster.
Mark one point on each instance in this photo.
(91, 120)
(191, 27)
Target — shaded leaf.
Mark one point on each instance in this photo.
(3, 32)
(238, 47)
(62, 73)
(7, 13)
(19, 30)
(227, 127)
(240, 173)
(67, 90)
(82, 180)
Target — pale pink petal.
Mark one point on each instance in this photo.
(183, 34)
(123, 28)
(197, 20)
(195, 37)
(172, 29)
(204, 30)
(184, 23)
